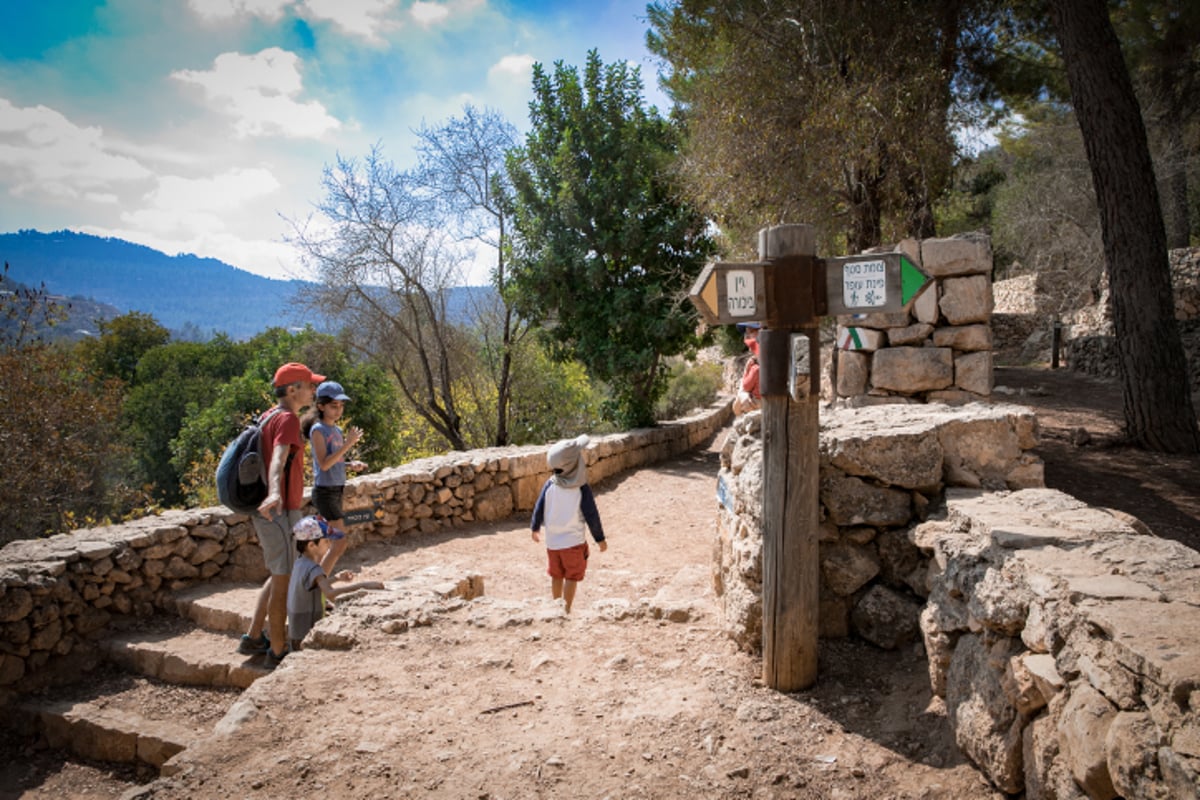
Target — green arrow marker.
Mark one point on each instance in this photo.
(912, 280)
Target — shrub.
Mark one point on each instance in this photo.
(689, 386)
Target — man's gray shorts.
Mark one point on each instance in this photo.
(275, 539)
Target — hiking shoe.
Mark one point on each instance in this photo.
(252, 647)
(271, 661)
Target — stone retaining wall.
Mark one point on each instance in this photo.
(59, 595)
(939, 349)
(1062, 637)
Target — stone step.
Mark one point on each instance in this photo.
(219, 607)
(187, 655)
(94, 731)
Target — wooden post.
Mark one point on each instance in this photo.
(790, 514)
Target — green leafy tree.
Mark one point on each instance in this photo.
(606, 248)
(172, 382)
(214, 418)
(122, 342)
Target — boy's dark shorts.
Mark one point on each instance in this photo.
(570, 563)
(328, 500)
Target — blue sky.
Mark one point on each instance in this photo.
(194, 125)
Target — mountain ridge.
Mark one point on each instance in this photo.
(183, 292)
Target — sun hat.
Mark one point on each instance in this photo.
(314, 528)
(293, 372)
(331, 390)
(566, 459)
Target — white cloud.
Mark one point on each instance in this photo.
(44, 153)
(220, 193)
(259, 91)
(428, 14)
(513, 66)
(227, 9)
(367, 19)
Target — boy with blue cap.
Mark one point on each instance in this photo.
(305, 605)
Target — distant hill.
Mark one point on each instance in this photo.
(182, 292)
(192, 297)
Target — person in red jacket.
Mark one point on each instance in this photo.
(749, 397)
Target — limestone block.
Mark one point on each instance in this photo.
(206, 550)
(1082, 734)
(847, 568)
(966, 338)
(886, 618)
(526, 490)
(925, 307)
(910, 370)
(966, 300)
(964, 254)
(853, 371)
(852, 501)
(981, 452)
(999, 601)
(884, 443)
(493, 503)
(1020, 686)
(914, 335)
(987, 728)
(15, 603)
(867, 340)
(1131, 748)
(973, 372)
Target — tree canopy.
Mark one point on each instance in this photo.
(606, 249)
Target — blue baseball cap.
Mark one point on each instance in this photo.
(331, 390)
(741, 326)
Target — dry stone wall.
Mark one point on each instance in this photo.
(59, 596)
(1061, 636)
(882, 468)
(941, 347)
(1026, 307)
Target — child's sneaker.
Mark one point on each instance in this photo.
(272, 661)
(252, 647)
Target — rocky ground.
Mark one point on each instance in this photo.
(508, 697)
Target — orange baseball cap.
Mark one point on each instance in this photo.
(293, 372)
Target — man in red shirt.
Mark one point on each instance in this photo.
(283, 459)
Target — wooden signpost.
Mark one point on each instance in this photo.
(788, 290)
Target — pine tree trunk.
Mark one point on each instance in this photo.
(1157, 398)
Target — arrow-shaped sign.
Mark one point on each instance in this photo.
(881, 283)
(727, 292)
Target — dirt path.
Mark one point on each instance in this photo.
(510, 698)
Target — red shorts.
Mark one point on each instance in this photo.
(570, 563)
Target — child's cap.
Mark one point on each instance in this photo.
(331, 390)
(314, 528)
(747, 327)
(566, 459)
